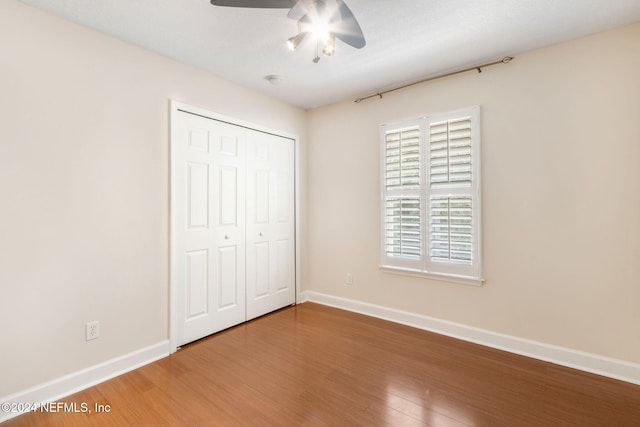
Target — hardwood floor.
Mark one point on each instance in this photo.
(316, 365)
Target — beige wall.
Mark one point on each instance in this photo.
(84, 183)
(561, 206)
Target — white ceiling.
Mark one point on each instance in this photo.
(406, 39)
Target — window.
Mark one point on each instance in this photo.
(431, 196)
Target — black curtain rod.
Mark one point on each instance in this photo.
(504, 60)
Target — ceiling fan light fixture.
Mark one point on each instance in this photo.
(322, 20)
(320, 29)
(294, 41)
(330, 46)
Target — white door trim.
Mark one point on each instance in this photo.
(175, 107)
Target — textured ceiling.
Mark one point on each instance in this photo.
(406, 39)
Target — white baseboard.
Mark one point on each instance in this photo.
(80, 380)
(605, 366)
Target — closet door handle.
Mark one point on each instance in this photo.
(226, 237)
(260, 234)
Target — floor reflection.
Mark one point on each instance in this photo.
(410, 402)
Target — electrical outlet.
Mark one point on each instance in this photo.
(93, 330)
(349, 279)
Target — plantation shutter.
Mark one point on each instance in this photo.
(453, 234)
(402, 153)
(450, 152)
(451, 228)
(430, 201)
(402, 216)
(403, 227)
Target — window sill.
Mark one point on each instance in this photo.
(464, 280)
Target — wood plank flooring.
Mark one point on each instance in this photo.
(316, 365)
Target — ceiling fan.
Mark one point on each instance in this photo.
(325, 20)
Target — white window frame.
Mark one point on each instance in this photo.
(424, 266)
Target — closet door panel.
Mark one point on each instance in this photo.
(270, 224)
(209, 236)
(228, 212)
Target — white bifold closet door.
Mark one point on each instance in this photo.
(270, 230)
(234, 225)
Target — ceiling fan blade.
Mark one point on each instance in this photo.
(347, 28)
(300, 9)
(262, 4)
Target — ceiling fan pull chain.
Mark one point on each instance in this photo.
(317, 58)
